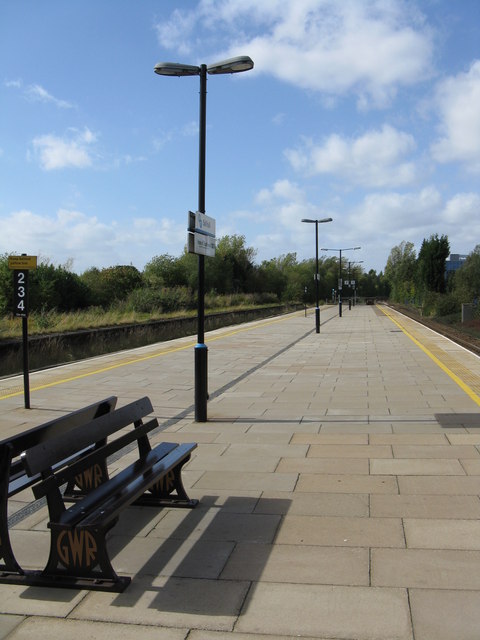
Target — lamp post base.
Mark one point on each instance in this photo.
(317, 319)
(201, 390)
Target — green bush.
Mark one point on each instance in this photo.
(166, 300)
(447, 305)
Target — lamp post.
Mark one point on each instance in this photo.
(340, 275)
(353, 265)
(317, 278)
(232, 65)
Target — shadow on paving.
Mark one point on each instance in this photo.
(458, 420)
(196, 549)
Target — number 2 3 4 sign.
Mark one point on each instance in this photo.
(21, 266)
(20, 294)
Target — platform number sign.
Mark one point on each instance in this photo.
(20, 288)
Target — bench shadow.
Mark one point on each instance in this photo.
(184, 553)
(190, 549)
(458, 420)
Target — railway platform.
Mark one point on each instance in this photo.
(338, 476)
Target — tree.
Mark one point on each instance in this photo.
(232, 269)
(466, 280)
(400, 271)
(6, 286)
(431, 264)
(55, 287)
(111, 284)
(165, 271)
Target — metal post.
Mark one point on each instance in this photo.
(201, 350)
(317, 308)
(340, 285)
(26, 381)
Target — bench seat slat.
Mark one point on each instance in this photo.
(74, 514)
(134, 487)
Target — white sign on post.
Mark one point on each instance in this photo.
(200, 244)
(201, 234)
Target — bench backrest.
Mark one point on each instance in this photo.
(63, 424)
(45, 455)
(12, 471)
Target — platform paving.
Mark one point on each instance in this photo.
(339, 484)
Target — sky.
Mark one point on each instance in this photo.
(365, 111)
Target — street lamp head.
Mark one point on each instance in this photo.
(176, 69)
(232, 65)
(344, 249)
(322, 220)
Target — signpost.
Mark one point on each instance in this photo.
(201, 234)
(20, 265)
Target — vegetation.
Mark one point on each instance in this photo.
(61, 300)
(422, 281)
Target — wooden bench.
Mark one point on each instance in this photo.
(78, 551)
(13, 476)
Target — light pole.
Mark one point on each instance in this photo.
(232, 65)
(353, 265)
(340, 275)
(317, 278)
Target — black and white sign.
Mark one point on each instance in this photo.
(201, 234)
(20, 294)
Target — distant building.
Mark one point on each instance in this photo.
(454, 262)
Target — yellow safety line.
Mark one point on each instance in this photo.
(127, 362)
(468, 390)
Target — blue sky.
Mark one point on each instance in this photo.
(367, 111)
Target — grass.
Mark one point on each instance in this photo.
(53, 322)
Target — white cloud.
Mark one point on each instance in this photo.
(375, 159)
(369, 48)
(36, 93)
(458, 100)
(281, 190)
(72, 235)
(388, 214)
(282, 208)
(383, 220)
(463, 210)
(71, 151)
(175, 32)
(13, 84)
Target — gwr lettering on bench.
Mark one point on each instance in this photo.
(77, 548)
(90, 478)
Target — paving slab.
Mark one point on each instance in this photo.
(336, 483)
(311, 504)
(426, 568)
(425, 506)
(341, 531)
(59, 629)
(362, 613)
(8, 624)
(300, 564)
(442, 534)
(417, 467)
(168, 602)
(443, 615)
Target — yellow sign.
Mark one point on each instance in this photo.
(20, 263)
